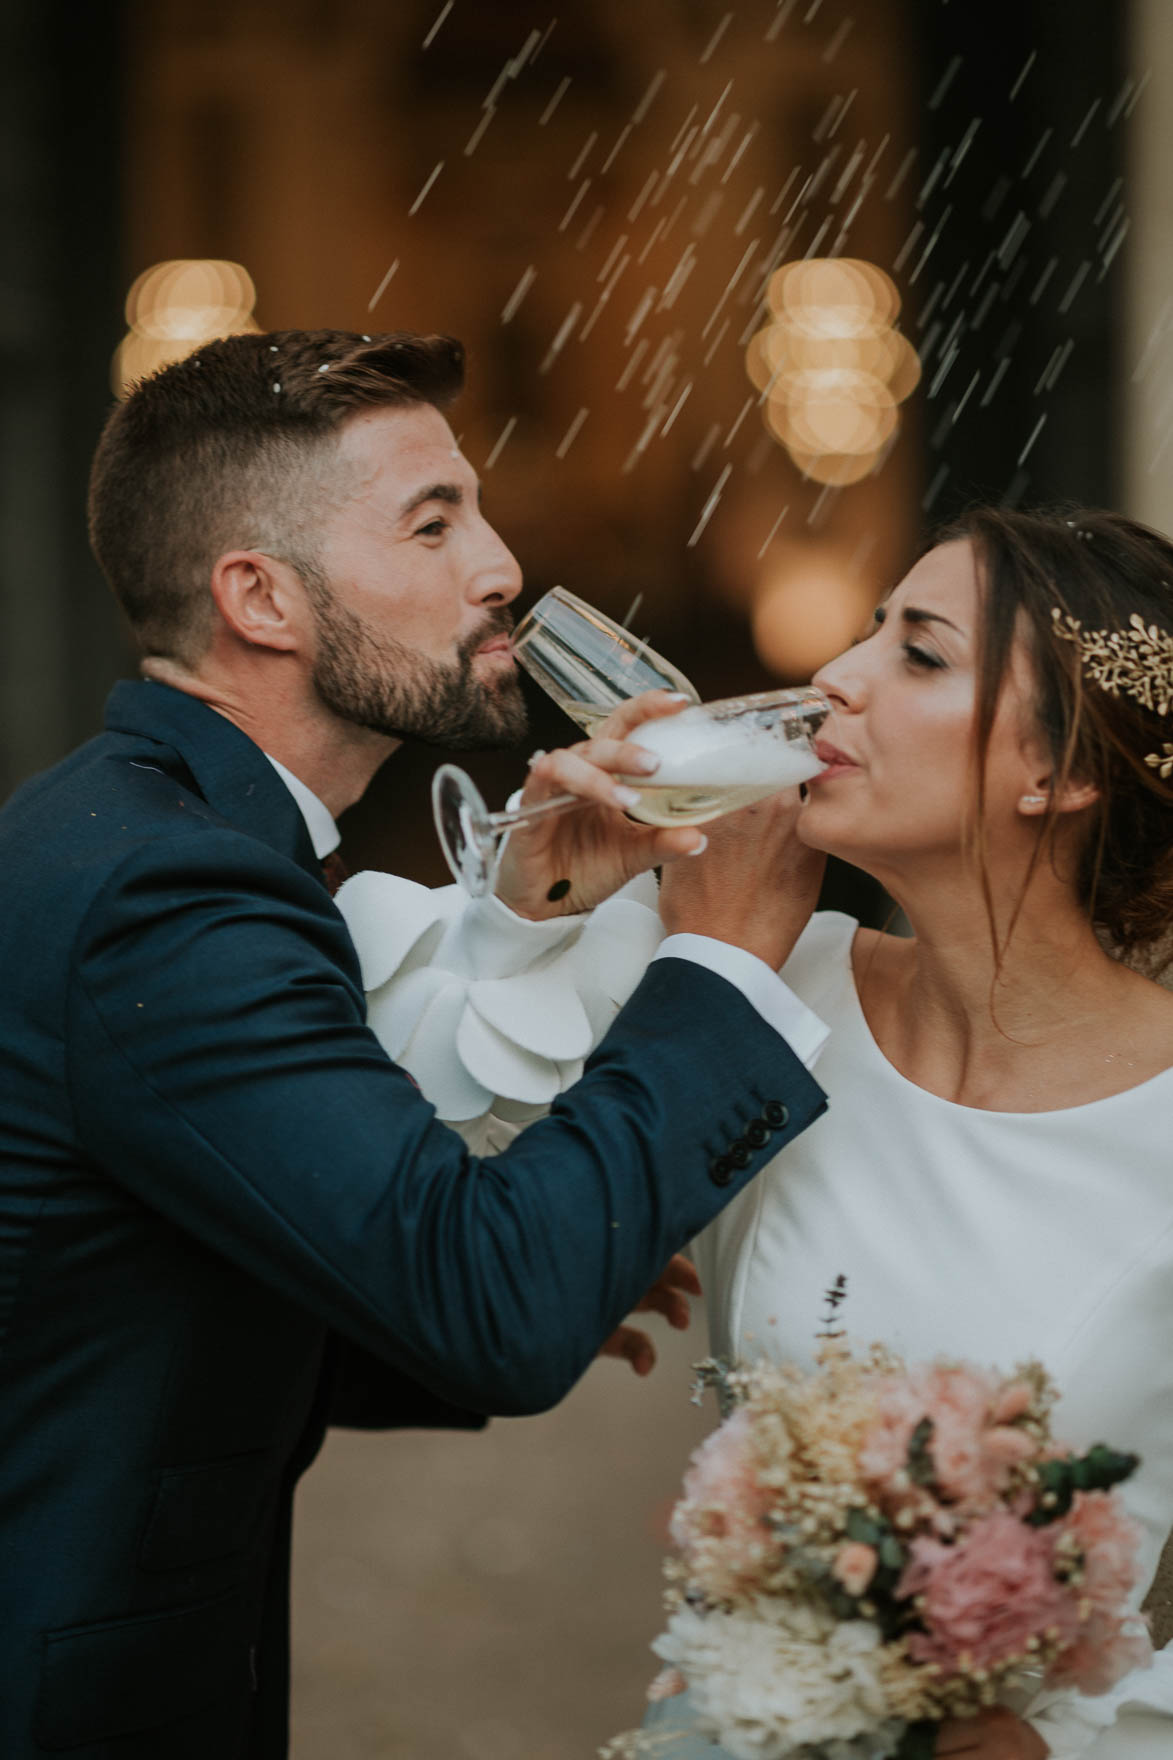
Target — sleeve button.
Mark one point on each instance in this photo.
(721, 1170)
(757, 1134)
(775, 1114)
(740, 1154)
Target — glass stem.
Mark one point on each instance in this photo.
(560, 803)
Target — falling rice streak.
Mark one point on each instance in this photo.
(838, 40)
(902, 171)
(785, 8)
(930, 304)
(518, 294)
(628, 372)
(963, 146)
(563, 87)
(706, 446)
(812, 248)
(965, 397)
(419, 200)
(782, 193)
(1035, 432)
(559, 342)
(655, 233)
(814, 7)
(907, 247)
(1009, 248)
(983, 310)
(1077, 281)
(616, 149)
(942, 371)
(1086, 123)
(945, 81)
(674, 217)
(1110, 253)
(545, 38)
(772, 531)
(849, 217)
(474, 139)
(444, 11)
(935, 487)
(847, 103)
(570, 212)
(847, 173)
(826, 494)
(642, 443)
(682, 130)
(640, 313)
(711, 208)
(500, 443)
(800, 197)
(603, 298)
(709, 508)
(530, 47)
(613, 258)
(731, 284)
(927, 343)
(583, 156)
(1155, 338)
(677, 407)
(822, 126)
(685, 265)
(571, 433)
(649, 96)
(588, 230)
(633, 213)
(716, 38)
(748, 210)
(1038, 152)
(382, 287)
(999, 373)
(715, 111)
(1052, 193)
(1043, 280)
(1102, 210)
(738, 155)
(716, 342)
(489, 101)
(1055, 366)
(934, 177)
(732, 434)
(1026, 67)
(1119, 102)
(1136, 96)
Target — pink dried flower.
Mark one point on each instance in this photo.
(1013, 1401)
(855, 1566)
(972, 1451)
(719, 1523)
(1105, 1650)
(1100, 1533)
(984, 1597)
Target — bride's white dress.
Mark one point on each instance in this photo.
(985, 1235)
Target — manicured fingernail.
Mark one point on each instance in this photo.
(678, 696)
(625, 797)
(644, 761)
(534, 756)
(701, 847)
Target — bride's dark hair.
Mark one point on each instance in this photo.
(1103, 571)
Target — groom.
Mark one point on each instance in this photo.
(225, 1216)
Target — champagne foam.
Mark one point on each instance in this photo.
(698, 751)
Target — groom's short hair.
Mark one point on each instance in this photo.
(235, 448)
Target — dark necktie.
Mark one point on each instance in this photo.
(334, 871)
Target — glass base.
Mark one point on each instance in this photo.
(467, 836)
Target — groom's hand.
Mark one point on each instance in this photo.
(755, 886)
(668, 1296)
(571, 861)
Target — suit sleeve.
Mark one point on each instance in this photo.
(221, 1069)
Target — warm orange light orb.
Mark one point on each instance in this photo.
(173, 308)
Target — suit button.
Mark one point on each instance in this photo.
(775, 1114)
(739, 1154)
(757, 1133)
(721, 1170)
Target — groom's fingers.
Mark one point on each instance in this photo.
(633, 1346)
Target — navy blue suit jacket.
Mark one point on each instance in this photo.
(226, 1216)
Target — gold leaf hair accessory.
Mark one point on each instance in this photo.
(1137, 661)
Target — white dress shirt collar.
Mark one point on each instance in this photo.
(319, 821)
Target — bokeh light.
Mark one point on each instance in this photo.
(831, 368)
(175, 307)
(810, 606)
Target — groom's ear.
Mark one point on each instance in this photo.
(261, 600)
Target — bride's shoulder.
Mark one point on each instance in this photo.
(822, 953)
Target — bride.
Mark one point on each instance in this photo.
(995, 1173)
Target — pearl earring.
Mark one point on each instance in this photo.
(1033, 800)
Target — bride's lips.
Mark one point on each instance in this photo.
(835, 762)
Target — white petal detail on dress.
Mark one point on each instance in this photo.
(613, 951)
(395, 1010)
(386, 917)
(502, 1066)
(445, 1078)
(539, 1011)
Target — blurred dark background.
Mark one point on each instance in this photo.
(615, 189)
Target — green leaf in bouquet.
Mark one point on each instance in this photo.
(1097, 1470)
(892, 1555)
(922, 1468)
(864, 1529)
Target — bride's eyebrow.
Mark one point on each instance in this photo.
(914, 614)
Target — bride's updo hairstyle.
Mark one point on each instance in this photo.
(1091, 593)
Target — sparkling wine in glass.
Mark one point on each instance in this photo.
(588, 663)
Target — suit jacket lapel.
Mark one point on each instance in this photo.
(229, 771)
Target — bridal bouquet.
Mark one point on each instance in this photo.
(868, 1548)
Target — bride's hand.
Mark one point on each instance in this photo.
(571, 861)
(755, 886)
(668, 1296)
(992, 1735)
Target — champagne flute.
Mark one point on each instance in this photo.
(715, 757)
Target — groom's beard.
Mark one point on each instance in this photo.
(379, 683)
